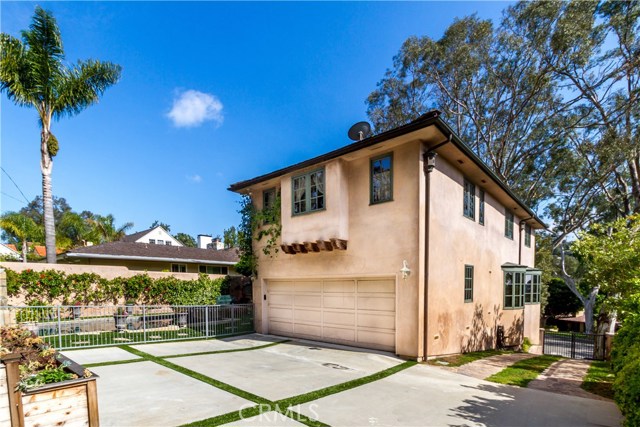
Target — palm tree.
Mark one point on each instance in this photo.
(106, 228)
(32, 73)
(23, 228)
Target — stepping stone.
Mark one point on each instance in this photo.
(121, 339)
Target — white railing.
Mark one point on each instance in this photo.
(66, 327)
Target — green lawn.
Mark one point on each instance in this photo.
(463, 359)
(523, 372)
(599, 379)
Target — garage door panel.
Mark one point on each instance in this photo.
(331, 286)
(377, 303)
(387, 286)
(308, 300)
(335, 301)
(339, 333)
(377, 321)
(347, 311)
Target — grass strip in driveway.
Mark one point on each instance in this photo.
(113, 362)
(599, 379)
(524, 371)
(231, 350)
(464, 358)
(198, 376)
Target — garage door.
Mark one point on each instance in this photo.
(358, 312)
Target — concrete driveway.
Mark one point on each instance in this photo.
(169, 384)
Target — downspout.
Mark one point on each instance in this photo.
(429, 164)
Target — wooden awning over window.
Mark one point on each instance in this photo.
(317, 246)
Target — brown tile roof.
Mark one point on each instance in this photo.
(130, 250)
(135, 236)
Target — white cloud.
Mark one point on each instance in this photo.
(194, 178)
(192, 108)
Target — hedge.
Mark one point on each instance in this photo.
(50, 286)
(625, 361)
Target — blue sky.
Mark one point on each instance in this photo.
(211, 93)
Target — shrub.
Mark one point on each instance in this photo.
(625, 361)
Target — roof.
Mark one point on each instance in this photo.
(432, 118)
(135, 236)
(42, 250)
(11, 246)
(149, 252)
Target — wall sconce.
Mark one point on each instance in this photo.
(405, 270)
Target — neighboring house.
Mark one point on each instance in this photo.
(404, 241)
(143, 251)
(8, 250)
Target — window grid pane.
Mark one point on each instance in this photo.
(508, 290)
(468, 283)
(308, 192)
(381, 180)
(299, 195)
(469, 208)
(508, 225)
(481, 208)
(527, 235)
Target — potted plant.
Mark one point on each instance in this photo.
(76, 309)
(120, 318)
(129, 305)
(182, 318)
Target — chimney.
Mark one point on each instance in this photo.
(204, 241)
(217, 244)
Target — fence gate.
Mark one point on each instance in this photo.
(574, 345)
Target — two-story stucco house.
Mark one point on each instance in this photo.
(404, 241)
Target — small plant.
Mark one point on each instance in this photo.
(122, 311)
(526, 344)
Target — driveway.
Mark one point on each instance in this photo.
(298, 382)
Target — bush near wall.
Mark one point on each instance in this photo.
(55, 287)
(625, 361)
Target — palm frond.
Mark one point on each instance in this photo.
(14, 71)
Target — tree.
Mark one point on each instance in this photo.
(156, 223)
(230, 238)
(107, 230)
(32, 73)
(76, 229)
(186, 239)
(23, 228)
(35, 209)
(561, 301)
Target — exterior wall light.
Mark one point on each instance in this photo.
(405, 270)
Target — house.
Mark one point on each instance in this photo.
(404, 241)
(154, 250)
(9, 251)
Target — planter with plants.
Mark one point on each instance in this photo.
(120, 318)
(42, 386)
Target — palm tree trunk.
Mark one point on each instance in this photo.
(46, 166)
(25, 248)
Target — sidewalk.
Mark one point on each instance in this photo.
(565, 377)
(488, 366)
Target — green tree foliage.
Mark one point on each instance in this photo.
(560, 300)
(186, 239)
(33, 73)
(106, 228)
(23, 228)
(230, 237)
(248, 264)
(156, 223)
(625, 360)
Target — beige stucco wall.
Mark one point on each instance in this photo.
(380, 236)
(456, 241)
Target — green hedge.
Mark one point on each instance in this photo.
(49, 286)
(625, 361)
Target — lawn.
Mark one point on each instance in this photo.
(463, 359)
(599, 379)
(523, 372)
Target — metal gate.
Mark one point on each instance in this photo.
(574, 345)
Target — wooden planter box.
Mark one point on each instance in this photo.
(69, 403)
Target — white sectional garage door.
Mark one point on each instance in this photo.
(358, 312)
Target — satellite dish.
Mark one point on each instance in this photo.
(359, 131)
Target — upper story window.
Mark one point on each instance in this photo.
(481, 208)
(527, 235)
(168, 243)
(382, 179)
(152, 241)
(469, 207)
(508, 224)
(268, 201)
(308, 192)
(161, 242)
(468, 283)
(532, 287)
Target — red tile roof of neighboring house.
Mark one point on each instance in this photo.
(42, 250)
(11, 246)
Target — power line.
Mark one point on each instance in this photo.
(10, 196)
(14, 183)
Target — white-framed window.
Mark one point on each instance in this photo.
(178, 268)
(213, 269)
(308, 192)
(161, 242)
(168, 243)
(152, 241)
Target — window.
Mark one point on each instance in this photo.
(308, 192)
(532, 287)
(481, 208)
(161, 242)
(211, 269)
(168, 243)
(178, 268)
(152, 241)
(268, 201)
(382, 179)
(508, 224)
(468, 283)
(527, 235)
(469, 208)
(513, 289)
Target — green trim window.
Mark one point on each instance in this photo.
(481, 207)
(508, 224)
(513, 289)
(381, 179)
(527, 235)
(178, 268)
(308, 192)
(469, 202)
(468, 283)
(213, 269)
(532, 287)
(268, 201)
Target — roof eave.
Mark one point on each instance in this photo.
(145, 258)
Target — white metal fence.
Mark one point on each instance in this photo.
(66, 327)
